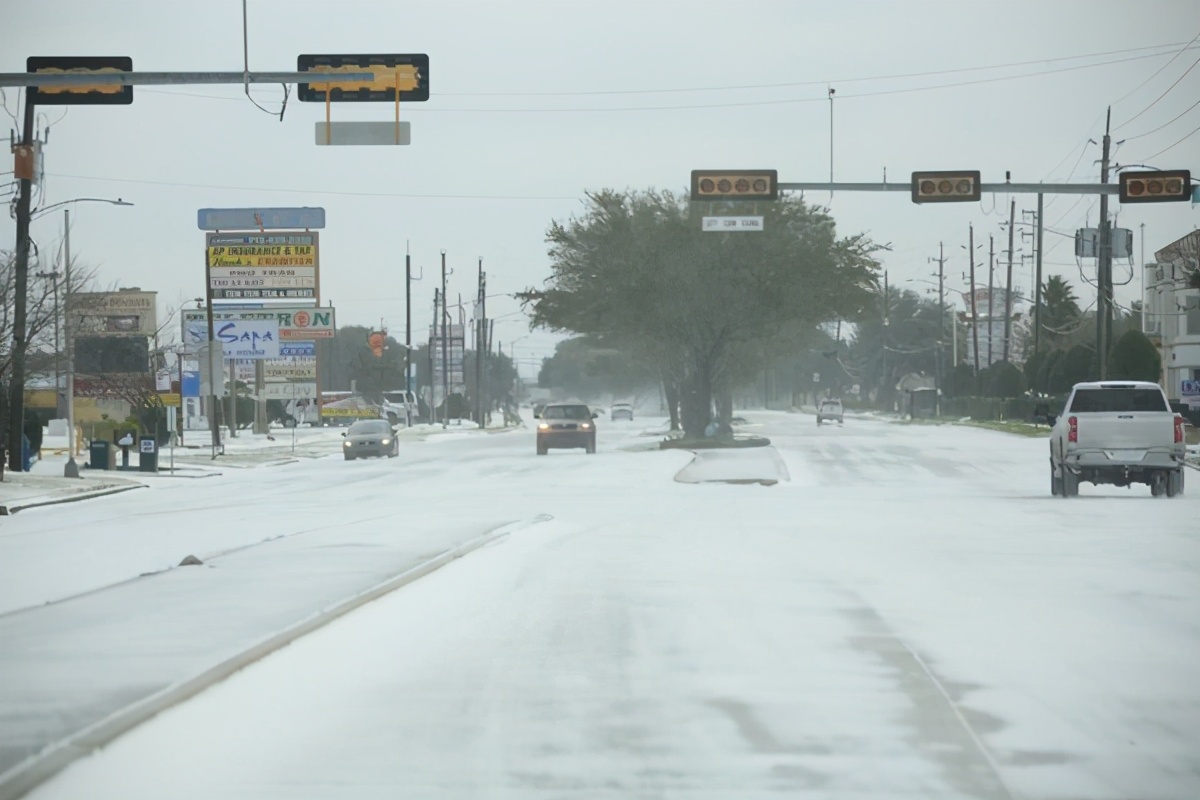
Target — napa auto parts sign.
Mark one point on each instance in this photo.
(294, 323)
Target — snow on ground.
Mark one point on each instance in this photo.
(911, 615)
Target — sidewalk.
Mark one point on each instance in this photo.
(21, 490)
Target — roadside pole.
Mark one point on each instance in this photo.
(1008, 300)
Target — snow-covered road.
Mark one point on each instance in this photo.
(911, 615)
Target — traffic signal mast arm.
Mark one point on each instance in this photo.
(906, 187)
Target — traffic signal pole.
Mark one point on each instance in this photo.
(16, 386)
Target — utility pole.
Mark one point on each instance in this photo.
(1008, 303)
(71, 470)
(1104, 263)
(1037, 290)
(991, 291)
(887, 323)
(433, 339)
(480, 328)
(940, 371)
(16, 400)
(407, 329)
(974, 306)
(445, 352)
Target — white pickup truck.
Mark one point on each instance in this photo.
(1117, 432)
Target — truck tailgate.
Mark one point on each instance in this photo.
(1132, 433)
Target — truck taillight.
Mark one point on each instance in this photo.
(1073, 431)
(1178, 430)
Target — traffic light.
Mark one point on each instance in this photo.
(378, 343)
(1156, 187)
(730, 184)
(408, 72)
(80, 94)
(953, 186)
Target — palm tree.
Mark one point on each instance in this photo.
(1060, 309)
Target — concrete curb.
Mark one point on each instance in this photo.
(12, 508)
(23, 777)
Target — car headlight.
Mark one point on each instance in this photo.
(543, 427)
(586, 426)
(345, 444)
(385, 441)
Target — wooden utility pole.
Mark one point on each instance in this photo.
(974, 305)
(1008, 303)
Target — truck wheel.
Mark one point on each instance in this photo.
(1158, 483)
(1070, 483)
(1174, 482)
(1056, 487)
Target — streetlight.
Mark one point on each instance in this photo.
(71, 470)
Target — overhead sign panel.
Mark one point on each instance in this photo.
(258, 219)
(407, 72)
(363, 133)
(80, 94)
(732, 224)
(300, 390)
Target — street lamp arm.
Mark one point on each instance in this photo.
(37, 212)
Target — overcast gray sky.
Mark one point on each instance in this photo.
(533, 103)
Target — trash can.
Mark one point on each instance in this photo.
(101, 455)
(147, 454)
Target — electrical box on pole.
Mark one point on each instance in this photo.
(1156, 187)
(953, 186)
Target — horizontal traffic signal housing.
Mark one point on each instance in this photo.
(947, 186)
(407, 73)
(735, 184)
(80, 94)
(1156, 187)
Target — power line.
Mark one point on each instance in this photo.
(1169, 147)
(1165, 124)
(749, 103)
(315, 191)
(1161, 96)
(1160, 69)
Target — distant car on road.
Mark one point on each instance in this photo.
(370, 437)
(621, 411)
(566, 425)
(829, 410)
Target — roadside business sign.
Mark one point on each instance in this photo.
(250, 266)
(294, 348)
(283, 369)
(122, 313)
(284, 391)
(1190, 393)
(258, 219)
(248, 339)
(296, 325)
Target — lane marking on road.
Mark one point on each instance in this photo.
(25, 775)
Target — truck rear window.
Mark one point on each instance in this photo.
(1116, 399)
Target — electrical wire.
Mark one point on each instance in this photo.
(1160, 97)
(1159, 70)
(751, 103)
(335, 192)
(1170, 147)
(1165, 124)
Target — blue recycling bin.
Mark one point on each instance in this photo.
(147, 454)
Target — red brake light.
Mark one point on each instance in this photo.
(1178, 430)
(1073, 431)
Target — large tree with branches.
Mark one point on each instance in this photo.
(636, 269)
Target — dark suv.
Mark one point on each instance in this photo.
(566, 425)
